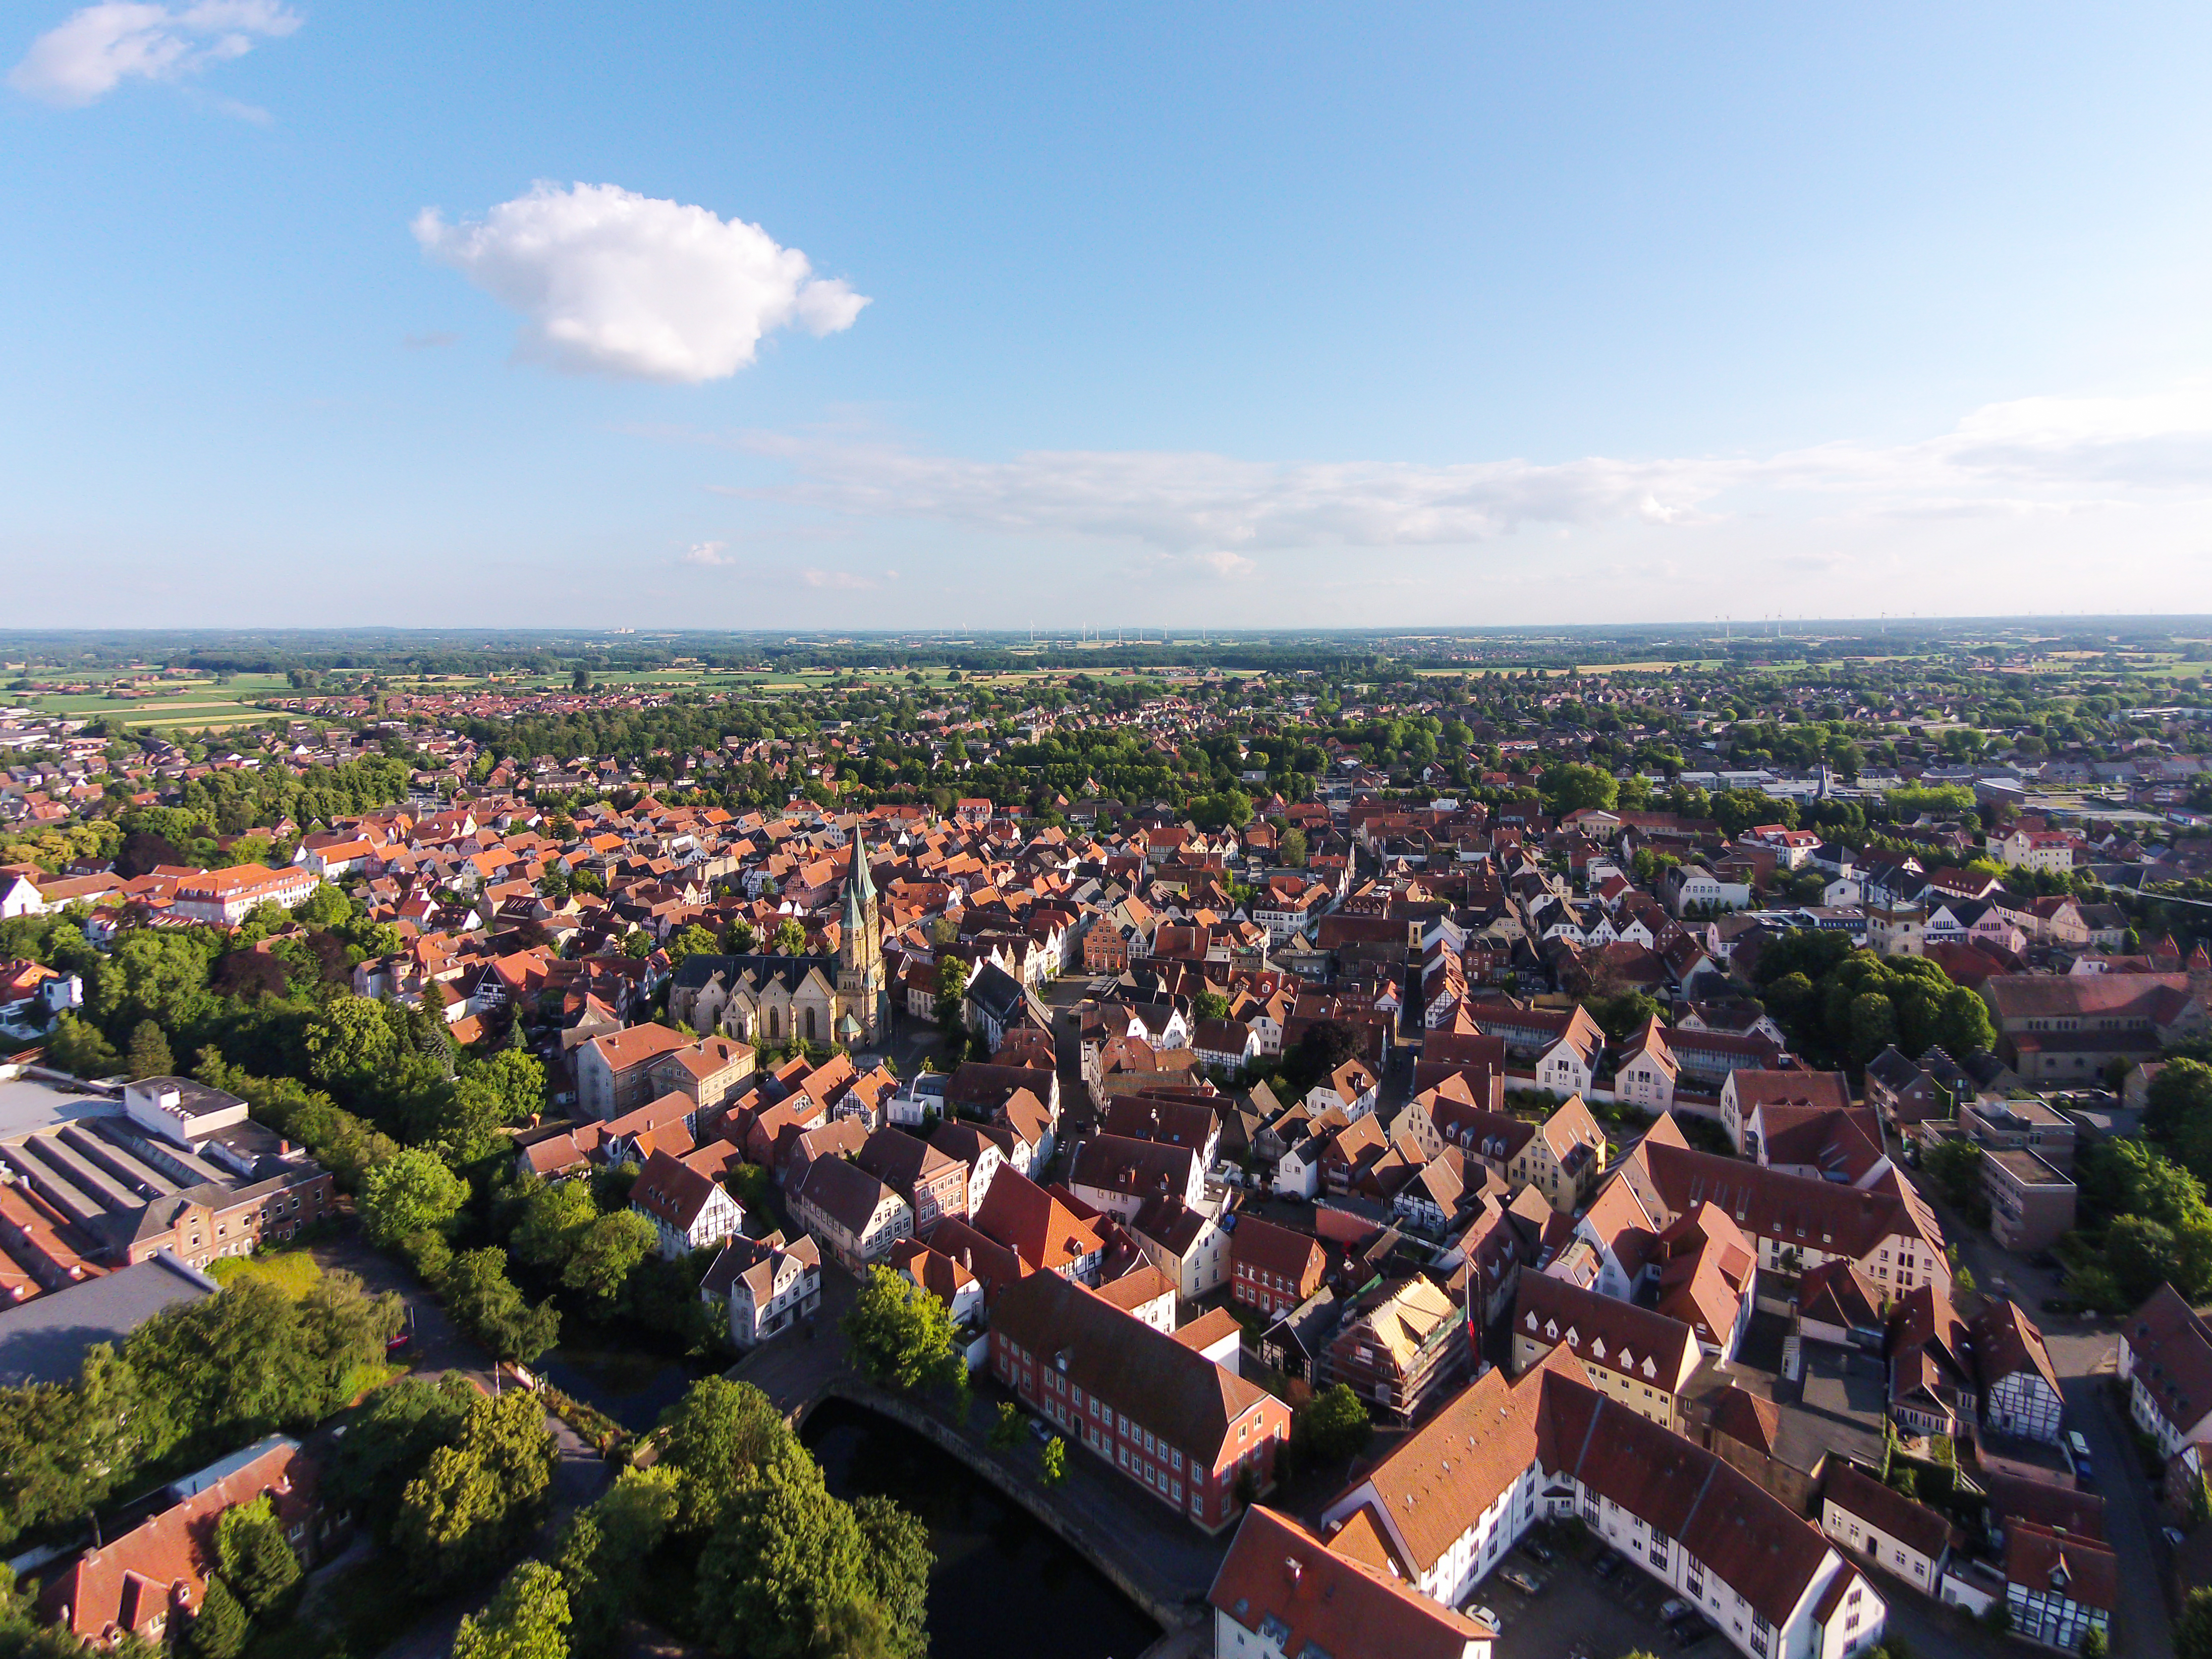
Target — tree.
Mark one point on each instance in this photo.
(389, 1441)
(1006, 1427)
(2093, 1643)
(606, 1254)
(150, 1052)
(952, 991)
(487, 1304)
(1955, 1168)
(554, 1215)
(2141, 1254)
(352, 1043)
(1208, 1005)
(249, 1542)
(718, 1438)
(1334, 1425)
(2192, 1631)
(410, 1192)
(637, 945)
(1571, 786)
(1294, 848)
(219, 1629)
(478, 1499)
(789, 1577)
(789, 939)
(1873, 1025)
(738, 939)
(1055, 1467)
(2179, 1105)
(899, 1334)
(78, 1046)
(527, 1619)
(689, 940)
(487, 1096)
(899, 1561)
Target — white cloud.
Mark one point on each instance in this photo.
(2034, 457)
(838, 579)
(95, 49)
(614, 282)
(707, 553)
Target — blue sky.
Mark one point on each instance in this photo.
(1259, 315)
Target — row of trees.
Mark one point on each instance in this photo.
(193, 1383)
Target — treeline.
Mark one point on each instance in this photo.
(194, 1382)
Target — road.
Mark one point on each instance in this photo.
(2083, 1351)
(580, 1476)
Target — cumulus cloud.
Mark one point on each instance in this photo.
(707, 553)
(2031, 459)
(95, 49)
(614, 282)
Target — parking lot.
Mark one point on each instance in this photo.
(1574, 1611)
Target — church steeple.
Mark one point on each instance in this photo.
(861, 950)
(860, 891)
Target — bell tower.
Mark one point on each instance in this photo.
(861, 951)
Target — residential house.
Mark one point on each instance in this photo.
(150, 1583)
(1186, 1242)
(1878, 1525)
(933, 1182)
(1400, 1346)
(1272, 1268)
(1118, 1175)
(766, 1286)
(856, 1215)
(1283, 1593)
(1635, 1355)
(2165, 1365)
(1443, 1506)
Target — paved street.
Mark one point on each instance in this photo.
(2083, 1351)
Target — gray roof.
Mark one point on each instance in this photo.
(45, 1340)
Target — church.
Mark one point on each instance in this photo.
(773, 999)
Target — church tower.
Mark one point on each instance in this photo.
(860, 1004)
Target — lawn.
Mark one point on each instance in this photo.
(293, 1272)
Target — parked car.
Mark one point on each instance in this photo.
(2078, 1448)
(1538, 1551)
(1522, 1582)
(405, 1336)
(1674, 1608)
(1482, 1614)
(1607, 1564)
(1042, 1430)
(1688, 1633)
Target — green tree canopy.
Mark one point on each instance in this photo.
(717, 1438)
(606, 1254)
(899, 1334)
(487, 1304)
(250, 1546)
(478, 1499)
(412, 1192)
(527, 1617)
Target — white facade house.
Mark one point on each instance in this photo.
(1460, 1492)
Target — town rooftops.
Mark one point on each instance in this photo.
(1144, 1373)
(1284, 1584)
(1915, 1525)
